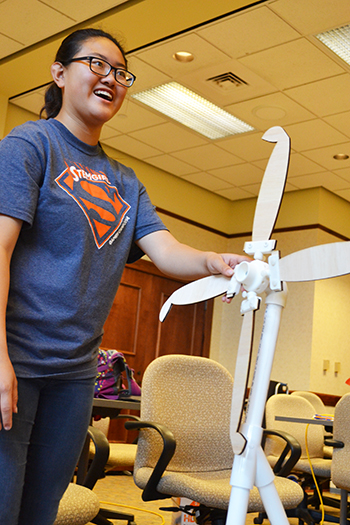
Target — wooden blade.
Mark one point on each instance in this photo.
(197, 291)
(272, 186)
(318, 262)
(241, 381)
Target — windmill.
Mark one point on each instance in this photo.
(250, 466)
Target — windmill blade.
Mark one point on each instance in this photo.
(272, 186)
(319, 262)
(200, 290)
(241, 381)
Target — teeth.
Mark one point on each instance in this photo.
(103, 94)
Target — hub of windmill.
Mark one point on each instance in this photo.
(254, 275)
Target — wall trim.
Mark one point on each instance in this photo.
(249, 233)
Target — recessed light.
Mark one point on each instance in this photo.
(341, 156)
(192, 110)
(269, 112)
(183, 56)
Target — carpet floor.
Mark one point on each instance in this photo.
(120, 490)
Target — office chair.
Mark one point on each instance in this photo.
(340, 473)
(184, 447)
(320, 408)
(79, 504)
(121, 455)
(296, 406)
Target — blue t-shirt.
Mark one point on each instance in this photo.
(82, 213)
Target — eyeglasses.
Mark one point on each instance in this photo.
(103, 68)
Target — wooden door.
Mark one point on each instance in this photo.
(133, 326)
(134, 329)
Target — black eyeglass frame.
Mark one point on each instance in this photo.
(112, 68)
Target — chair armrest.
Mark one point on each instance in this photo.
(334, 443)
(96, 469)
(292, 448)
(150, 491)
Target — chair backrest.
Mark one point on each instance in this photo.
(341, 456)
(314, 399)
(102, 424)
(293, 406)
(192, 397)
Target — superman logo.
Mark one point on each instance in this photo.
(100, 201)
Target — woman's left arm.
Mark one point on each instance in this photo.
(179, 260)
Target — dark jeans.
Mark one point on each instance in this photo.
(39, 454)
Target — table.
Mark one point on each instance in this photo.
(308, 421)
(112, 407)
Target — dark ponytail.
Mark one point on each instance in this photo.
(68, 49)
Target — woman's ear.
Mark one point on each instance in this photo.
(57, 72)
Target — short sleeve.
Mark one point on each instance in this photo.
(20, 172)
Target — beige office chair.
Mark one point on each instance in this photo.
(296, 406)
(187, 400)
(340, 473)
(79, 504)
(314, 399)
(121, 455)
(320, 408)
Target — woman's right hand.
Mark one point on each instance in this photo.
(8, 393)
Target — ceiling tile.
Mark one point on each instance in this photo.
(107, 132)
(131, 147)
(324, 156)
(234, 35)
(298, 165)
(207, 181)
(239, 175)
(312, 16)
(249, 147)
(313, 133)
(234, 194)
(28, 21)
(146, 75)
(80, 11)
(172, 165)
(255, 188)
(292, 64)
(168, 137)
(160, 56)
(275, 109)
(341, 122)
(207, 157)
(344, 173)
(316, 96)
(327, 180)
(133, 116)
(9, 46)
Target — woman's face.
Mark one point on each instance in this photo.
(88, 98)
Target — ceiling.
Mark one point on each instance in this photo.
(290, 80)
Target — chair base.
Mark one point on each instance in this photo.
(105, 515)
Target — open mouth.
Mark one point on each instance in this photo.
(103, 94)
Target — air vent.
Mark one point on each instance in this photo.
(227, 81)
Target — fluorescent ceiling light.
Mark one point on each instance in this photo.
(193, 111)
(338, 40)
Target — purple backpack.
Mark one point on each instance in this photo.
(114, 380)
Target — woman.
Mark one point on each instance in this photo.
(70, 219)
